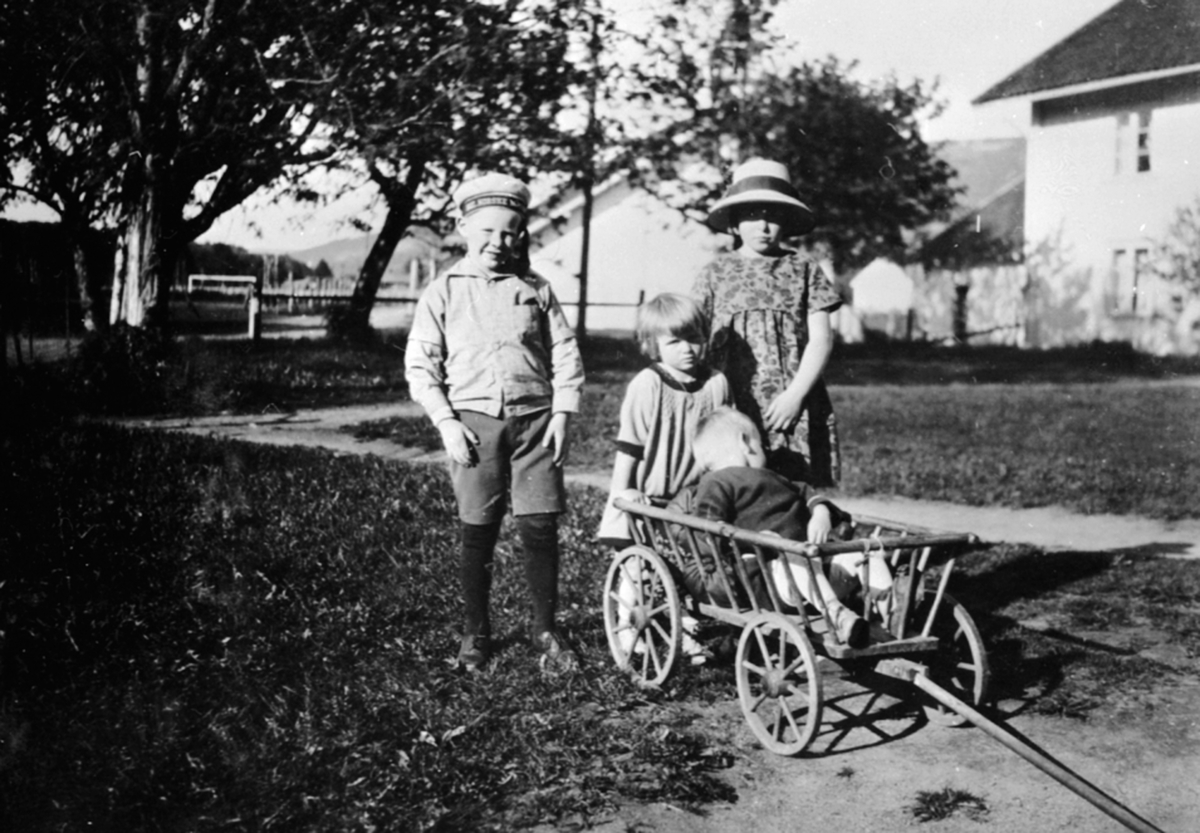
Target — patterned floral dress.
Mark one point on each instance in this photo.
(759, 309)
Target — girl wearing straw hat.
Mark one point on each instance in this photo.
(771, 334)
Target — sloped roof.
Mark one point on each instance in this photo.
(1134, 36)
(991, 234)
(987, 226)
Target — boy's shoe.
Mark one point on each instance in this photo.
(851, 628)
(474, 652)
(556, 654)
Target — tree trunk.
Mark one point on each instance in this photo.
(142, 267)
(584, 263)
(353, 322)
(83, 282)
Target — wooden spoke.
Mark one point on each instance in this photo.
(778, 685)
(642, 615)
(960, 665)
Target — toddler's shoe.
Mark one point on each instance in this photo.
(556, 654)
(474, 652)
(851, 628)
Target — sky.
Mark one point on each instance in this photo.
(967, 45)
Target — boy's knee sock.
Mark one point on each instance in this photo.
(539, 539)
(475, 569)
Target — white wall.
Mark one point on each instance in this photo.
(1074, 187)
(638, 244)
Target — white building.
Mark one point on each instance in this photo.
(639, 245)
(1112, 154)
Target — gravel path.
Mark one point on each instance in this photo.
(1050, 527)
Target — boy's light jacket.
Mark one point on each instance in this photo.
(499, 346)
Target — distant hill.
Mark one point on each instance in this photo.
(346, 257)
(985, 167)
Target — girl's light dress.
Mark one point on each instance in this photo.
(658, 423)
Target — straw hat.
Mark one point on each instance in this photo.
(759, 181)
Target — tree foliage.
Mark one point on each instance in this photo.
(1178, 256)
(853, 147)
(442, 88)
(160, 115)
(59, 138)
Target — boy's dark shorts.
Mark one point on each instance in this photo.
(509, 456)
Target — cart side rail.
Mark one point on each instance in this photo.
(918, 538)
(689, 542)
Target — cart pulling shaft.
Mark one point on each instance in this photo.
(915, 674)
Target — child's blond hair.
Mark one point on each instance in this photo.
(670, 314)
(721, 429)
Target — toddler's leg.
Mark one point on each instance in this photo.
(823, 589)
(850, 571)
(850, 628)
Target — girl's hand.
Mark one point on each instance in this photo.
(819, 525)
(783, 412)
(460, 442)
(633, 496)
(556, 436)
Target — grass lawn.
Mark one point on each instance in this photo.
(201, 635)
(1121, 449)
(1103, 431)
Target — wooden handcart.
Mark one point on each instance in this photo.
(933, 642)
(778, 680)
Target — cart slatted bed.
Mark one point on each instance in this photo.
(776, 661)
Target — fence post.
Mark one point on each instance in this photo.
(256, 293)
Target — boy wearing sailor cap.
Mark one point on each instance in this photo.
(494, 363)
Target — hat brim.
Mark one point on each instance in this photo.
(801, 218)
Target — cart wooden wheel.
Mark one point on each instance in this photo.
(778, 683)
(642, 615)
(960, 665)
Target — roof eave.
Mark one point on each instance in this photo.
(1089, 86)
(573, 204)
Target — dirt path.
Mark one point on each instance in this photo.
(874, 755)
(1048, 527)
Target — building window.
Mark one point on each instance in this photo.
(1119, 159)
(1133, 142)
(1143, 141)
(1128, 282)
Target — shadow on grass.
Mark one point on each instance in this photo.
(1031, 607)
(923, 363)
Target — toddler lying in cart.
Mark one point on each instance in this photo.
(738, 489)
